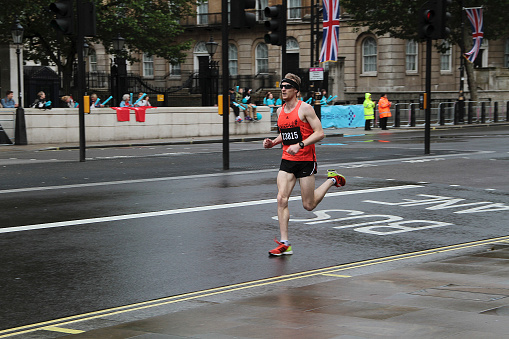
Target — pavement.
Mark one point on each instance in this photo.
(459, 291)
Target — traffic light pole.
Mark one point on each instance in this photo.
(427, 126)
(283, 44)
(225, 85)
(80, 39)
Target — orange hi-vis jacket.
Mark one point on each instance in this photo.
(292, 131)
(384, 108)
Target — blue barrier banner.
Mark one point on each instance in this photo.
(343, 116)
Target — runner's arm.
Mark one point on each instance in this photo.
(310, 116)
(269, 143)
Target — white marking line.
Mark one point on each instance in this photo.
(185, 210)
(135, 181)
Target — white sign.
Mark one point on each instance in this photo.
(315, 74)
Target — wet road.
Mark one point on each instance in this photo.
(134, 224)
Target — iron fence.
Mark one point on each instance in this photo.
(448, 112)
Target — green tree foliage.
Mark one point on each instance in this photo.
(400, 18)
(149, 26)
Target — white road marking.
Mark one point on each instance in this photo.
(185, 210)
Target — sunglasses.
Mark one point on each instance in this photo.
(286, 86)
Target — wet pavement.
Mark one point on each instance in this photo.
(464, 294)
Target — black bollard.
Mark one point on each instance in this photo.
(397, 117)
(442, 115)
(470, 111)
(483, 112)
(495, 112)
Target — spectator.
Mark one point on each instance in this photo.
(41, 101)
(369, 112)
(235, 108)
(95, 102)
(324, 94)
(266, 97)
(251, 108)
(270, 101)
(384, 111)
(125, 101)
(144, 101)
(239, 97)
(69, 102)
(8, 101)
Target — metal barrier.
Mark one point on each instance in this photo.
(443, 113)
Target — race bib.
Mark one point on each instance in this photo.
(291, 135)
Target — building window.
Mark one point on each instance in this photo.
(369, 55)
(92, 61)
(148, 65)
(292, 45)
(202, 11)
(294, 8)
(175, 70)
(260, 6)
(411, 56)
(233, 63)
(445, 58)
(506, 57)
(262, 58)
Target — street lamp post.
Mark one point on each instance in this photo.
(20, 132)
(211, 47)
(119, 69)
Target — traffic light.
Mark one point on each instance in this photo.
(87, 19)
(239, 18)
(443, 18)
(276, 25)
(64, 20)
(433, 20)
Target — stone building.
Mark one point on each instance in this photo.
(366, 62)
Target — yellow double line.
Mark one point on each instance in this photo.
(55, 324)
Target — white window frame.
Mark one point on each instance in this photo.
(292, 45)
(261, 47)
(294, 9)
(175, 71)
(148, 65)
(202, 11)
(446, 59)
(233, 62)
(260, 7)
(411, 56)
(92, 61)
(372, 56)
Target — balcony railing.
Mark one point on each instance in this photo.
(214, 19)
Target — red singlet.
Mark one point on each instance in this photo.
(293, 130)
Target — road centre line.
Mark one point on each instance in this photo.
(242, 286)
(136, 181)
(185, 210)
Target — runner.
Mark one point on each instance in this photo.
(299, 129)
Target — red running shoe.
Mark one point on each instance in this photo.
(281, 249)
(340, 180)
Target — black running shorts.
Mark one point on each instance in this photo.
(298, 168)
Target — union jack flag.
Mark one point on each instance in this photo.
(475, 17)
(330, 31)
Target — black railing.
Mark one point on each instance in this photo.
(214, 19)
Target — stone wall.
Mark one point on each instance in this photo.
(61, 125)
